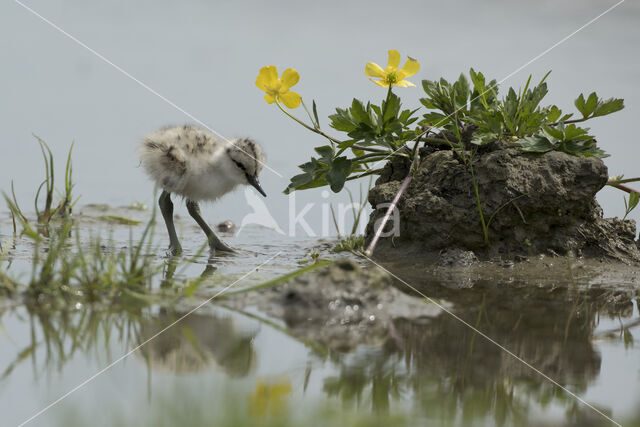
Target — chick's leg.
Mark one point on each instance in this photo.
(166, 207)
(214, 241)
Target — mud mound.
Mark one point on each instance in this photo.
(535, 203)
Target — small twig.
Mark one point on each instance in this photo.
(392, 206)
(521, 214)
(624, 188)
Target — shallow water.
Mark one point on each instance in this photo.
(219, 361)
(204, 56)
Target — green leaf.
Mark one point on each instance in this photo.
(358, 112)
(392, 107)
(326, 153)
(580, 105)
(462, 92)
(591, 103)
(535, 144)
(554, 114)
(298, 180)
(342, 121)
(565, 117)
(534, 97)
(304, 182)
(594, 107)
(553, 134)
(428, 103)
(478, 81)
(574, 132)
(484, 138)
(435, 119)
(405, 116)
(634, 198)
(311, 166)
(346, 144)
(315, 112)
(609, 106)
(338, 172)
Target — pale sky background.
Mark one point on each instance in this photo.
(205, 56)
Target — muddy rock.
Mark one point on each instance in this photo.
(340, 306)
(534, 204)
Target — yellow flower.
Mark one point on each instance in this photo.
(278, 88)
(269, 397)
(392, 75)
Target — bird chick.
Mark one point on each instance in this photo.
(193, 163)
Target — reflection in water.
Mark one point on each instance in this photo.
(171, 265)
(436, 367)
(196, 342)
(55, 337)
(269, 398)
(455, 376)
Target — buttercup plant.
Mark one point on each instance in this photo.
(374, 132)
(277, 89)
(462, 116)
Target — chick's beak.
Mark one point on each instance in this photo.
(253, 180)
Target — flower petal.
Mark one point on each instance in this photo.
(373, 70)
(290, 99)
(269, 98)
(268, 76)
(382, 83)
(404, 83)
(394, 60)
(289, 78)
(409, 68)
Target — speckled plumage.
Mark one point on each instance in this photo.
(194, 163)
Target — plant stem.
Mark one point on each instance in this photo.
(485, 230)
(392, 206)
(386, 102)
(622, 181)
(381, 155)
(367, 173)
(372, 149)
(364, 148)
(567, 122)
(315, 130)
(315, 125)
(624, 188)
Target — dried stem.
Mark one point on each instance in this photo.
(392, 206)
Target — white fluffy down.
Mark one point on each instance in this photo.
(190, 162)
